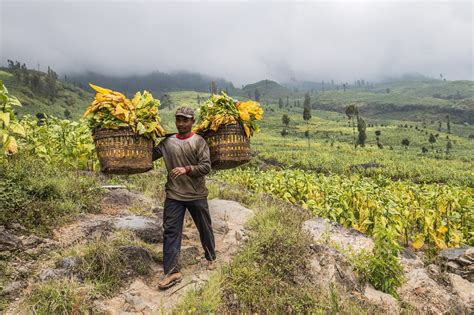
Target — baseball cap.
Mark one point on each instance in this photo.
(185, 112)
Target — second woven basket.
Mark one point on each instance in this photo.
(229, 146)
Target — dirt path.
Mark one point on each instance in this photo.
(142, 295)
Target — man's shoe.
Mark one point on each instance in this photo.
(211, 264)
(170, 280)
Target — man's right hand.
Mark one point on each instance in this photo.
(177, 171)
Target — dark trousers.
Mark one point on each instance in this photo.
(173, 218)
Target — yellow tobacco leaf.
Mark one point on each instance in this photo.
(100, 89)
(442, 229)
(419, 242)
(160, 130)
(247, 131)
(12, 147)
(118, 94)
(92, 108)
(244, 115)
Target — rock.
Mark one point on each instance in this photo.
(220, 227)
(464, 290)
(229, 211)
(124, 199)
(18, 227)
(409, 260)
(31, 241)
(14, 287)
(459, 261)
(189, 255)
(136, 254)
(329, 266)
(336, 235)
(8, 241)
(426, 295)
(136, 304)
(149, 230)
(453, 253)
(98, 230)
(382, 300)
(49, 274)
(69, 263)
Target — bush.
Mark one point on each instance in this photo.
(381, 269)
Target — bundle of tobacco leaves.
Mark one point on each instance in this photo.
(112, 110)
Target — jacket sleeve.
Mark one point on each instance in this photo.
(204, 161)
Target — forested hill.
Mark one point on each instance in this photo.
(407, 99)
(41, 92)
(155, 81)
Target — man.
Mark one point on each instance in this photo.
(187, 161)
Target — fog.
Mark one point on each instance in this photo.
(243, 41)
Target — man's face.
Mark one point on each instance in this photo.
(184, 124)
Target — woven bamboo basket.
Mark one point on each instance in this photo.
(229, 146)
(122, 151)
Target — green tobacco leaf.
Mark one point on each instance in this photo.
(18, 129)
(5, 117)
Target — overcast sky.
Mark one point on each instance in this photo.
(243, 41)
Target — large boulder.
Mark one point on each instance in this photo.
(148, 229)
(328, 266)
(350, 240)
(427, 296)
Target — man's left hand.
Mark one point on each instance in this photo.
(178, 171)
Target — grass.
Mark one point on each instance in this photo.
(66, 296)
(104, 264)
(41, 196)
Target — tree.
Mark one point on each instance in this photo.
(257, 95)
(165, 101)
(306, 114)
(285, 120)
(284, 132)
(51, 78)
(406, 143)
(280, 103)
(388, 90)
(306, 134)
(199, 99)
(307, 100)
(361, 127)
(432, 140)
(352, 112)
(213, 87)
(448, 125)
(67, 114)
(287, 101)
(449, 146)
(378, 133)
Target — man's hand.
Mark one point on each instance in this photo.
(178, 171)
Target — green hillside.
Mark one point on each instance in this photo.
(403, 100)
(69, 97)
